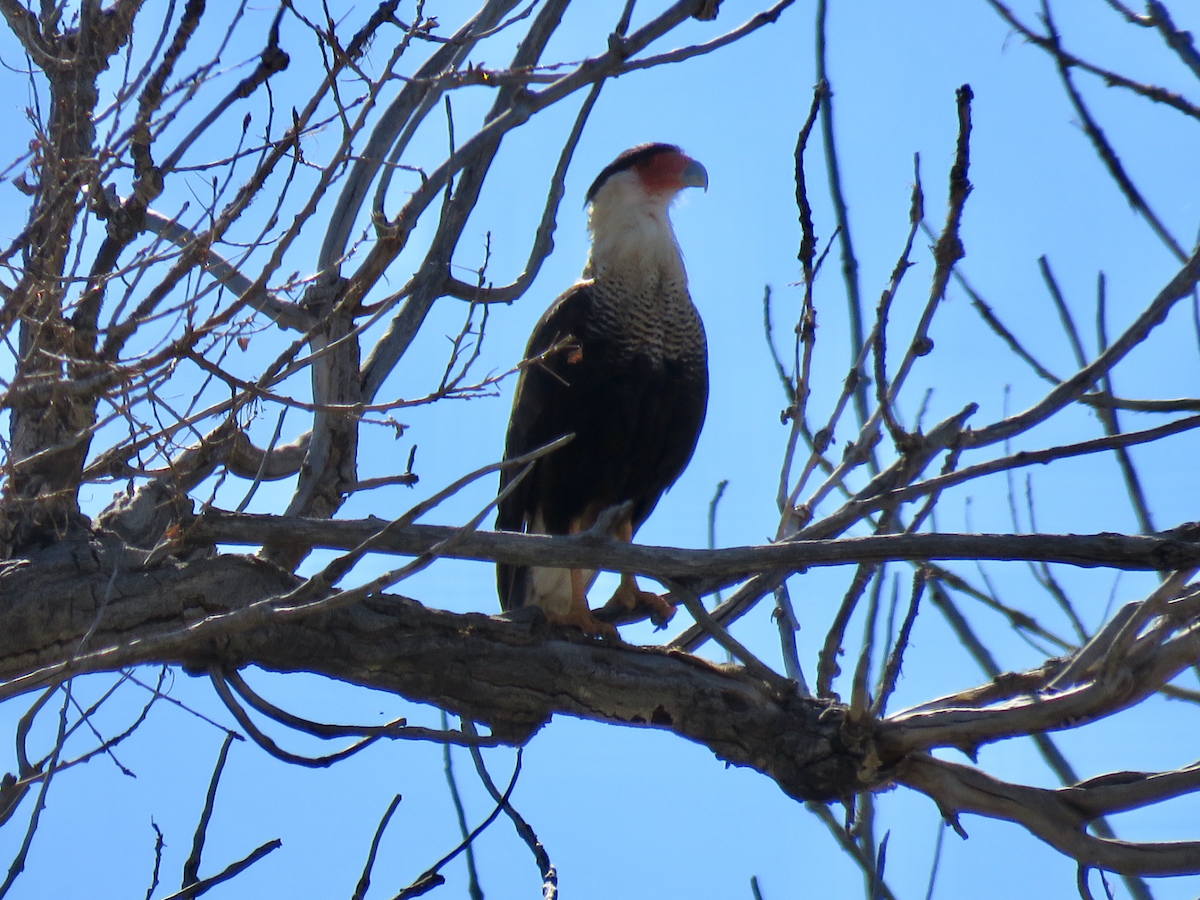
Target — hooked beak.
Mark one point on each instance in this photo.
(695, 175)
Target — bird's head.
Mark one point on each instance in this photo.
(628, 205)
(658, 170)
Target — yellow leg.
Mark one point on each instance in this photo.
(580, 614)
(630, 597)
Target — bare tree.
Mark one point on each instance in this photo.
(200, 268)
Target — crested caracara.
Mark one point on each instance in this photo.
(620, 361)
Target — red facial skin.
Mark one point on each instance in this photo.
(661, 173)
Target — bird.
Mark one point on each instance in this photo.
(619, 361)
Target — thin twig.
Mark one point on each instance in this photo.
(430, 878)
(191, 866)
(887, 682)
(232, 870)
(545, 867)
(834, 175)
(364, 881)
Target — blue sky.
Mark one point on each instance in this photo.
(635, 812)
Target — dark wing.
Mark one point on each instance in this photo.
(674, 412)
(538, 417)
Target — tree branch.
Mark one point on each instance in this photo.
(511, 677)
(1131, 552)
(1049, 814)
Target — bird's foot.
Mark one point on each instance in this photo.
(583, 619)
(629, 597)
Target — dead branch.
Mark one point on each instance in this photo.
(510, 677)
(1050, 814)
(1131, 552)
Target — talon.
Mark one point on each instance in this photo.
(630, 597)
(586, 622)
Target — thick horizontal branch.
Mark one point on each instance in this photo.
(94, 606)
(86, 607)
(1173, 550)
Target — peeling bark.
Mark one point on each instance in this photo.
(511, 676)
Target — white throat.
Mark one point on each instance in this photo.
(632, 235)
